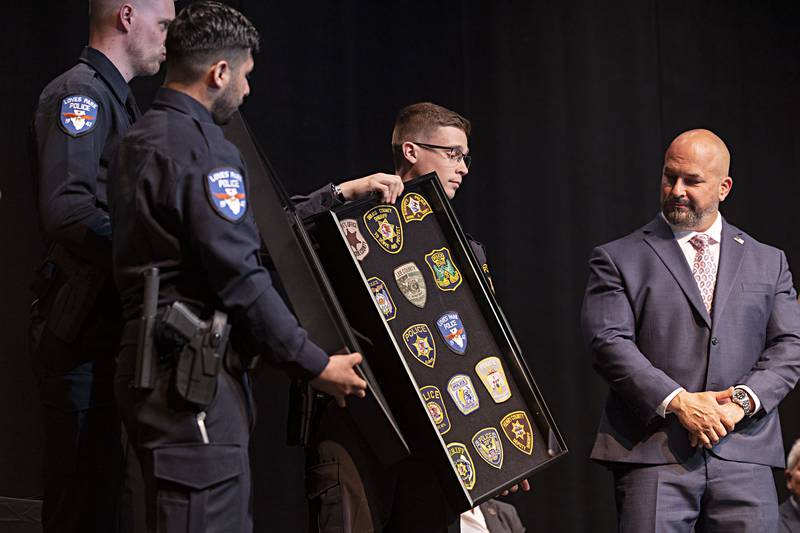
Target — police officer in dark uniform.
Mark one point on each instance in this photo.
(349, 491)
(75, 324)
(180, 203)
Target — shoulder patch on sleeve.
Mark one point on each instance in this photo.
(226, 193)
(78, 114)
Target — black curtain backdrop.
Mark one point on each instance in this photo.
(572, 103)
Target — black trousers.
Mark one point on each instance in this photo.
(195, 463)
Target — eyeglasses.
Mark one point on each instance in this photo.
(454, 154)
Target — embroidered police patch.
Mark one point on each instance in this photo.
(436, 409)
(78, 115)
(226, 193)
(453, 332)
(414, 207)
(489, 446)
(411, 283)
(383, 223)
(419, 342)
(491, 372)
(518, 430)
(462, 462)
(354, 238)
(445, 273)
(463, 393)
(382, 297)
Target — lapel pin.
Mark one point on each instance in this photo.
(738, 239)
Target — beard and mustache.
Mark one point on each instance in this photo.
(687, 218)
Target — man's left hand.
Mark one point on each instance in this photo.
(732, 413)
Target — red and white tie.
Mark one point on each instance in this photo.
(704, 268)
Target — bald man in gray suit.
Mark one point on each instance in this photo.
(695, 327)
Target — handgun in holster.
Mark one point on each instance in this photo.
(200, 360)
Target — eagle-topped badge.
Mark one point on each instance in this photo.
(419, 342)
(383, 223)
(462, 462)
(445, 273)
(226, 193)
(414, 207)
(518, 430)
(489, 446)
(78, 115)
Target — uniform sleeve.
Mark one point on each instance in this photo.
(66, 175)
(315, 203)
(227, 244)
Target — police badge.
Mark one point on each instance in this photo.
(226, 193)
(414, 207)
(411, 283)
(384, 225)
(491, 372)
(436, 409)
(382, 298)
(463, 393)
(419, 342)
(459, 456)
(445, 273)
(489, 446)
(518, 430)
(453, 332)
(358, 244)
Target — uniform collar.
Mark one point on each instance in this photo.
(166, 97)
(107, 70)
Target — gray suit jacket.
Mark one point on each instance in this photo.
(649, 333)
(501, 517)
(789, 517)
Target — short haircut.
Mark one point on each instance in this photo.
(417, 122)
(204, 33)
(794, 455)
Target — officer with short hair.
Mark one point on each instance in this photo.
(180, 203)
(79, 121)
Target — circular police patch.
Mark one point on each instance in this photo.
(78, 115)
(226, 193)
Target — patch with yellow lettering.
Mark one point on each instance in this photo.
(419, 342)
(462, 462)
(383, 223)
(382, 297)
(518, 430)
(436, 409)
(445, 273)
(414, 207)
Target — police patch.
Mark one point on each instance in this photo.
(489, 446)
(411, 283)
(78, 115)
(462, 462)
(491, 372)
(419, 342)
(383, 223)
(463, 393)
(358, 244)
(436, 409)
(445, 273)
(226, 193)
(382, 298)
(414, 207)
(453, 332)
(518, 430)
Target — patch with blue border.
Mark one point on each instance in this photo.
(78, 114)
(226, 193)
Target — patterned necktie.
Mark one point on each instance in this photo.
(704, 268)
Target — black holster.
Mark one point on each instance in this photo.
(200, 360)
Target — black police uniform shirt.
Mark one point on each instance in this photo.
(80, 119)
(179, 202)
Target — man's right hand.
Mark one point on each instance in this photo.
(702, 415)
(339, 380)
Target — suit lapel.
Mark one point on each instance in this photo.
(489, 510)
(731, 251)
(660, 238)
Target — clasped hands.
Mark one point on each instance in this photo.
(707, 416)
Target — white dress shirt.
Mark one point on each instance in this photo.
(683, 237)
(473, 521)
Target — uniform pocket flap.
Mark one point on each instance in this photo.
(198, 466)
(757, 287)
(321, 478)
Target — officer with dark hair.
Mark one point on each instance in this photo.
(180, 203)
(76, 320)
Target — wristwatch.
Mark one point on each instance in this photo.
(337, 192)
(741, 399)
